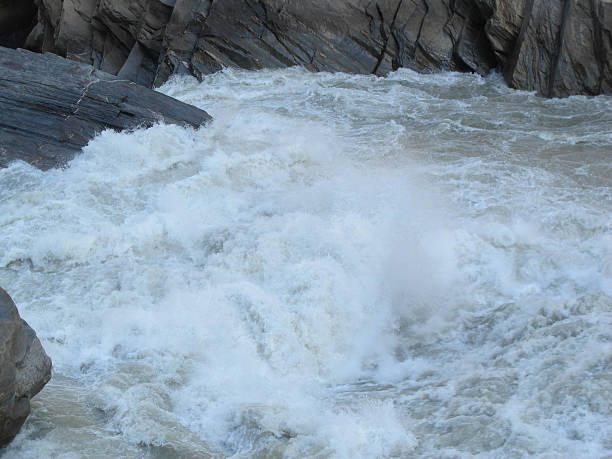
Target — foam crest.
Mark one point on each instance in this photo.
(344, 266)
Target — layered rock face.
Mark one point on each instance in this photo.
(357, 36)
(104, 33)
(24, 368)
(148, 40)
(554, 47)
(557, 48)
(51, 107)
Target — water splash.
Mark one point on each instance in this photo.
(343, 266)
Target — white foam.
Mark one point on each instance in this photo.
(315, 272)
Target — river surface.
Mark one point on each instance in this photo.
(338, 266)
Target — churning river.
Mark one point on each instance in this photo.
(338, 266)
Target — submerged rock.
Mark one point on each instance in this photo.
(50, 107)
(24, 368)
(556, 48)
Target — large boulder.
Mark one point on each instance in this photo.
(51, 107)
(24, 368)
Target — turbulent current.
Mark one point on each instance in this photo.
(338, 266)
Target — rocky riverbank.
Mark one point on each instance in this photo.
(51, 107)
(95, 61)
(557, 48)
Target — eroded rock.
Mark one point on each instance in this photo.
(24, 368)
(556, 48)
(50, 107)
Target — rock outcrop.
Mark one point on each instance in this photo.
(24, 368)
(118, 37)
(357, 36)
(554, 47)
(557, 48)
(50, 107)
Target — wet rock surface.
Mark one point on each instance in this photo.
(25, 368)
(352, 36)
(51, 107)
(556, 48)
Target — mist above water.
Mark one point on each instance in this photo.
(337, 266)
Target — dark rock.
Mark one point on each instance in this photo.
(17, 18)
(25, 368)
(51, 107)
(557, 48)
(202, 36)
(357, 36)
(553, 47)
(103, 33)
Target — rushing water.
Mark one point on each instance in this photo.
(338, 266)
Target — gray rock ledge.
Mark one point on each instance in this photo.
(25, 368)
(51, 107)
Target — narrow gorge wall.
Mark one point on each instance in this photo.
(554, 47)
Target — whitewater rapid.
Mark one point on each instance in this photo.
(337, 266)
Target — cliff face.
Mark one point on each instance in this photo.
(555, 47)
(356, 36)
